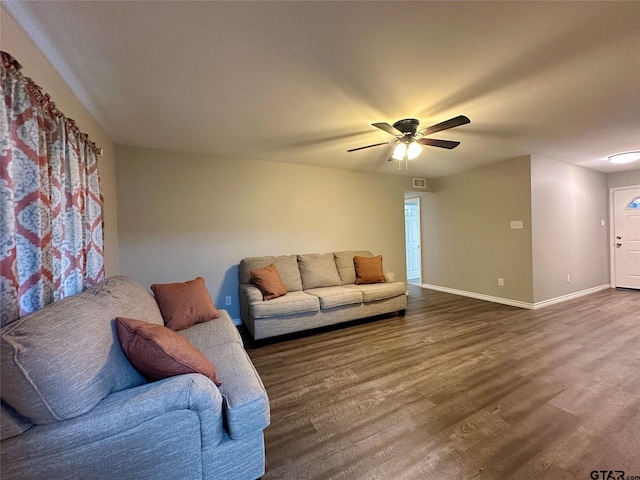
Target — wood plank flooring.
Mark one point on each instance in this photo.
(458, 389)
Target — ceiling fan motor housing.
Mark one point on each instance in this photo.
(408, 126)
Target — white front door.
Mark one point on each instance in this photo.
(412, 239)
(626, 241)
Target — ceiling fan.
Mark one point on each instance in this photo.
(411, 140)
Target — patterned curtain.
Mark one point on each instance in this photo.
(51, 239)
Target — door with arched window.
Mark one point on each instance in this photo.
(626, 241)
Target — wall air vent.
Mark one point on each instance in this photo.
(420, 183)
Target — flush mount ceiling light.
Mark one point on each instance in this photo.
(626, 157)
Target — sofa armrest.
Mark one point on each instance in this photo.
(162, 427)
(249, 294)
(252, 293)
(390, 277)
(245, 403)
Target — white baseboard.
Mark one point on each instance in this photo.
(516, 303)
(479, 296)
(570, 296)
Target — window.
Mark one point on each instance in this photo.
(635, 203)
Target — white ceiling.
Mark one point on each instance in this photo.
(301, 82)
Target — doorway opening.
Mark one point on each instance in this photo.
(412, 240)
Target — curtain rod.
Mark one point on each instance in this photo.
(9, 62)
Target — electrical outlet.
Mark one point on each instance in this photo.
(227, 301)
(500, 282)
(568, 278)
(517, 224)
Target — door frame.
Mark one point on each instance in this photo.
(416, 201)
(612, 252)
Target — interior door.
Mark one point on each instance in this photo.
(412, 239)
(626, 241)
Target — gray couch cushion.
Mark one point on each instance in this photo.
(292, 302)
(11, 424)
(344, 264)
(318, 270)
(336, 296)
(127, 298)
(76, 339)
(208, 335)
(287, 266)
(379, 291)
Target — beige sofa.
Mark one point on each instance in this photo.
(321, 291)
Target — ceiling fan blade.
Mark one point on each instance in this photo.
(369, 146)
(387, 128)
(447, 124)
(434, 142)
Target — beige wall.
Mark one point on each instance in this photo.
(184, 215)
(467, 242)
(35, 65)
(624, 179)
(570, 228)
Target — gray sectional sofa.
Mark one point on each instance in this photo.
(73, 406)
(321, 291)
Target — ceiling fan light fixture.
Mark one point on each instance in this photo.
(399, 151)
(412, 150)
(626, 157)
(410, 141)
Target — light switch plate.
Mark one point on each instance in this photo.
(517, 224)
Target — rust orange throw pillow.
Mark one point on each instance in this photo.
(269, 281)
(184, 304)
(157, 352)
(368, 270)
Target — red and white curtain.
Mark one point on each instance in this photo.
(51, 239)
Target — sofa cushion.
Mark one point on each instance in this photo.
(127, 298)
(336, 296)
(368, 269)
(292, 302)
(184, 304)
(344, 264)
(390, 277)
(158, 352)
(287, 266)
(269, 282)
(208, 335)
(74, 337)
(11, 424)
(380, 291)
(318, 270)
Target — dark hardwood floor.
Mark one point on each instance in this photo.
(460, 388)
